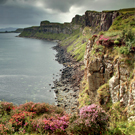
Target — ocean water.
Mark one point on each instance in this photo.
(27, 69)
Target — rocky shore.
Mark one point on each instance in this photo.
(67, 87)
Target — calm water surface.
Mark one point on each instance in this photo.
(27, 67)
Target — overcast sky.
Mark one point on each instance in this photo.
(25, 13)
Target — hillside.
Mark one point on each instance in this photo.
(97, 86)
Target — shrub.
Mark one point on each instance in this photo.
(124, 50)
(19, 120)
(92, 119)
(53, 124)
(5, 107)
(38, 108)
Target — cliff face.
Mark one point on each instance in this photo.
(55, 28)
(47, 27)
(102, 20)
(109, 76)
(78, 20)
(99, 20)
(92, 19)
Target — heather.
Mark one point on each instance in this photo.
(42, 118)
(91, 119)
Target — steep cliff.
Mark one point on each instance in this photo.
(47, 30)
(110, 73)
(100, 20)
(78, 20)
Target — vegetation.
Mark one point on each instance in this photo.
(126, 19)
(76, 43)
(84, 95)
(91, 119)
(42, 118)
(51, 36)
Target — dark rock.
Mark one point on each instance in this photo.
(56, 91)
(74, 95)
(65, 105)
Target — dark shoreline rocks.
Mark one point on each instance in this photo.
(67, 87)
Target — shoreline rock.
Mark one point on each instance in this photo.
(67, 87)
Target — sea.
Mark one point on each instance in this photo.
(27, 69)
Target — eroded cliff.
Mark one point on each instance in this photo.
(110, 75)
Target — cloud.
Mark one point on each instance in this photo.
(3, 1)
(31, 12)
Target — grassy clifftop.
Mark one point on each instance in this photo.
(125, 19)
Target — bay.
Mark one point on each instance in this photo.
(27, 68)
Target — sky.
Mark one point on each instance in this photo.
(26, 13)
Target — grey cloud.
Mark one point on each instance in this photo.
(65, 5)
(12, 15)
(3, 1)
(26, 11)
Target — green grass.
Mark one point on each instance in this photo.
(26, 34)
(51, 36)
(125, 20)
(76, 43)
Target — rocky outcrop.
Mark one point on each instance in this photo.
(46, 26)
(92, 18)
(78, 20)
(101, 20)
(102, 68)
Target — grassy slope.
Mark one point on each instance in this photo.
(126, 19)
(42, 35)
(76, 43)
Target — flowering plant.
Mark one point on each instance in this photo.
(52, 124)
(91, 119)
(5, 107)
(19, 119)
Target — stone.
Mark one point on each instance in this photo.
(95, 81)
(114, 88)
(56, 91)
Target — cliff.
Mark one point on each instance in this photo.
(100, 20)
(47, 30)
(110, 73)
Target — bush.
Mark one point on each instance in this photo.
(38, 108)
(124, 50)
(5, 107)
(53, 124)
(92, 119)
(21, 119)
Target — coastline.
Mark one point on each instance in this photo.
(67, 87)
